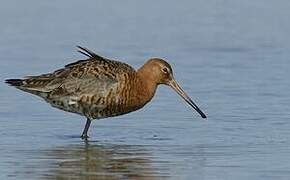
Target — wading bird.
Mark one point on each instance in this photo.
(98, 87)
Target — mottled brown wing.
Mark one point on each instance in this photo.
(83, 74)
(82, 83)
(84, 87)
(89, 76)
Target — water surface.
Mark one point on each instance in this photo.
(231, 57)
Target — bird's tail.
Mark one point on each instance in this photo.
(30, 85)
(15, 82)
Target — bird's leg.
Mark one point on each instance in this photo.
(85, 131)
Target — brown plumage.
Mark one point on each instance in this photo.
(98, 87)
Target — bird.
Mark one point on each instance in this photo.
(97, 87)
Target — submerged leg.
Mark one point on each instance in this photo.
(85, 131)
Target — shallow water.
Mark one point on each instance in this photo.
(231, 57)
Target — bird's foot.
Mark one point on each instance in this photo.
(84, 136)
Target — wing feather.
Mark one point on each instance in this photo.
(83, 76)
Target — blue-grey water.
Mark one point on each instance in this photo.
(231, 57)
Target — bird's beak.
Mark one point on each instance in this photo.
(173, 84)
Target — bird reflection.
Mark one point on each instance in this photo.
(88, 161)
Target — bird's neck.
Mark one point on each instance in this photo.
(147, 84)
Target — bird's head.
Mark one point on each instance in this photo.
(160, 72)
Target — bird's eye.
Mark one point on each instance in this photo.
(165, 70)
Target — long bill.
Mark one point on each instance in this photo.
(173, 84)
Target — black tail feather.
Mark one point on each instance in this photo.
(88, 53)
(14, 82)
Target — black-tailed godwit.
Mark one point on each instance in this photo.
(98, 87)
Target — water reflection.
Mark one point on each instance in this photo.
(93, 161)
